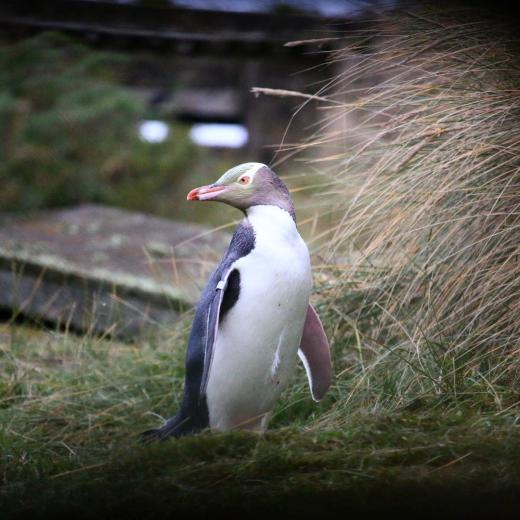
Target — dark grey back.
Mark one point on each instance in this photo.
(193, 415)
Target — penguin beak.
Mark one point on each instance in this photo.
(206, 192)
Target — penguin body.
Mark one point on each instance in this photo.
(256, 349)
(253, 318)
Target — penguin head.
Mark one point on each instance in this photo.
(247, 185)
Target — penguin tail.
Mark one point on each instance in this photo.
(176, 426)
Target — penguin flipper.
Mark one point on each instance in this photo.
(315, 354)
(225, 297)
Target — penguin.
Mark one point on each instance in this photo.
(253, 319)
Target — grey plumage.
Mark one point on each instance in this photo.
(212, 307)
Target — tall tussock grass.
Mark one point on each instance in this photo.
(420, 142)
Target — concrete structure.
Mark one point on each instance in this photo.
(104, 270)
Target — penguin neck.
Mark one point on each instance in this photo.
(271, 222)
(281, 201)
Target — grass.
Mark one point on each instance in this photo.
(419, 146)
(72, 408)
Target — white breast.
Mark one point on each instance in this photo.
(256, 348)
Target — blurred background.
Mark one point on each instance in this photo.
(132, 103)
(394, 125)
(128, 105)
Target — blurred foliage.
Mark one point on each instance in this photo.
(69, 131)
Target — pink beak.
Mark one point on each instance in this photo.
(206, 192)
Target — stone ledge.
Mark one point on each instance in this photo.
(104, 269)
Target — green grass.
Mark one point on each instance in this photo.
(72, 408)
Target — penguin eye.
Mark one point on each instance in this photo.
(245, 179)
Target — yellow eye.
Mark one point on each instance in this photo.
(245, 179)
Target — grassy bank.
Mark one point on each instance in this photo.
(72, 408)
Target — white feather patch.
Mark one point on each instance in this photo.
(256, 346)
(308, 371)
(276, 359)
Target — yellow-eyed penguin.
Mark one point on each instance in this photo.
(254, 317)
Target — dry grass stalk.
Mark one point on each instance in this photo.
(420, 142)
